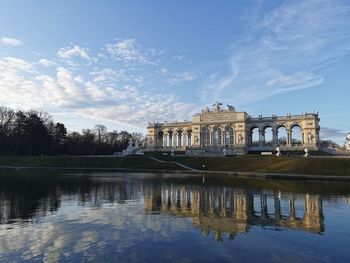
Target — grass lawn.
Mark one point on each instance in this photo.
(269, 164)
(131, 162)
(244, 163)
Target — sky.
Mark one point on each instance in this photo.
(125, 63)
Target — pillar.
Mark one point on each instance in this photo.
(223, 137)
(274, 137)
(289, 137)
(261, 137)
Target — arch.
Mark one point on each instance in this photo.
(268, 135)
(296, 135)
(255, 136)
(205, 136)
(229, 139)
(282, 135)
(170, 138)
(179, 138)
(189, 137)
(216, 136)
(160, 135)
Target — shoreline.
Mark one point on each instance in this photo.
(244, 175)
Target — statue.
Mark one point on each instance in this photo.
(196, 140)
(310, 137)
(240, 138)
(230, 108)
(206, 110)
(130, 149)
(217, 106)
(306, 155)
(278, 154)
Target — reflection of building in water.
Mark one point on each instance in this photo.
(231, 211)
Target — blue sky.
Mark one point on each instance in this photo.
(124, 63)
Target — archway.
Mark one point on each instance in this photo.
(296, 135)
(255, 136)
(268, 136)
(170, 138)
(229, 136)
(179, 138)
(205, 136)
(282, 136)
(217, 136)
(189, 138)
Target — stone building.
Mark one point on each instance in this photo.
(214, 130)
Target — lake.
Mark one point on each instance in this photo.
(123, 217)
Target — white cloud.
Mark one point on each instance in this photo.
(178, 57)
(284, 50)
(164, 72)
(7, 41)
(46, 63)
(75, 51)
(331, 133)
(107, 75)
(99, 95)
(127, 50)
(175, 78)
(136, 109)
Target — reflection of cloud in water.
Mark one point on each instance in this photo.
(116, 220)
(83, 230)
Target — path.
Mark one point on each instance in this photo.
(179, 164)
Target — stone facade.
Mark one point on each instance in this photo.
(217, 129)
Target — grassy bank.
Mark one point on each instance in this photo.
(246, 163)
(132, 162)
(271, 164)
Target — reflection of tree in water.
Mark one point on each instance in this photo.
(27, 194)
(227, 210)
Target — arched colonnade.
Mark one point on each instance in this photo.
(279, 134)
(175, 138)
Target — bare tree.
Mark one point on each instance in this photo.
(101, 132)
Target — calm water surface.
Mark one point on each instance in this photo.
(109, 217)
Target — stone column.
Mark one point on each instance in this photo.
(289, 137)
(174, 139)
(261, 137)
(274, 137)
(223, 137)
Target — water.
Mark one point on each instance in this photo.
(115, 217)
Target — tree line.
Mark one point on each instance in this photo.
(34, 133)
